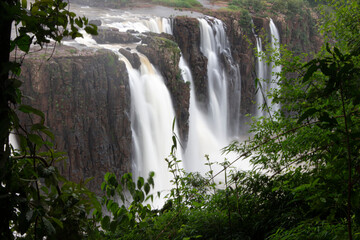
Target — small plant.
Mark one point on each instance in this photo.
(72, 51)
(134, 213)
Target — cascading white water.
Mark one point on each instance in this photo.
(152, 111)
(152, 115)
(211, 45)
(209, 130)
(143, 24)
(275, 40)
(151, 122)
(201, 139)
(267, 73)
(261, 75)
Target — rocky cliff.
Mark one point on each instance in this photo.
(86, 100)
(297, 33)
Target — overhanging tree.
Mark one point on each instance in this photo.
(25, 205)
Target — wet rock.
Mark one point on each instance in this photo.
(86, 100)
(112, 35)
(187, 35)
(132, 57)
(96, 22)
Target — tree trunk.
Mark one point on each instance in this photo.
(6, 90)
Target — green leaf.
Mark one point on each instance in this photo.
(79, 22)
(308, 113)
(113, 226)
(36, 139)
(24, 4)
(49, 228)
(49, 134)
(140, 182)
(328, 48)
(91, 30)
(313, 68)
(173, 125)
(58, 222)
(37, 126)
(16, 83)
(29, 109)
(147, 188)
(24, 42)
(338, 53)
(325, 118)
(105, 222)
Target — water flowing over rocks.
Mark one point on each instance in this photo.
(164, 53)
(86, 100)
(187, 35)
(85, 95)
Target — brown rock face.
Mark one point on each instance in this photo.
(86, 101)
(187, 35)
(164, 53)
(86, 95)
(109, 35)
(132, 57)
(297, 33)
(241, 42)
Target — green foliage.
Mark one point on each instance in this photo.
(310, 147)
(179, 3)
(36, 201)
(306, 158)
(43, 21)
(253, 5)
(289, 6)
(313, 231)
(339, 24)
(134, 215)
(245, 20)
(40, 201)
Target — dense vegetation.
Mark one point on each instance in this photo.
(282, 6)
(305, 182)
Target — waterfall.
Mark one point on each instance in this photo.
(275, 40)
(201, 139)
(210, 130)
(267, 73)
(142, 24)
(152, 111)
(152, 115)
(211, 45)
(261, 75)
